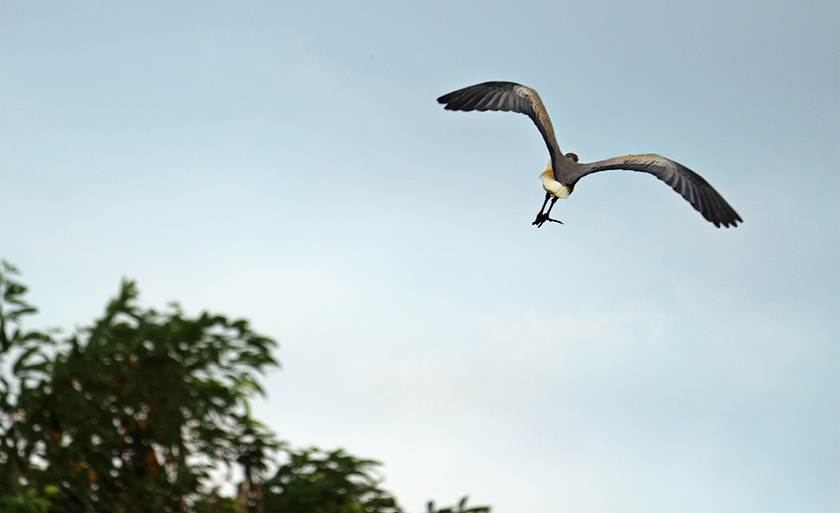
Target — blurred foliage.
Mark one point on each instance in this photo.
(313, 481)
(460, 508)
(133, 413)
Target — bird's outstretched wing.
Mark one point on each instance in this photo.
(702, 196)
(506, 96)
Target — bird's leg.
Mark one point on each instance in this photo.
(547, 212)
(539, 216)
(542, 217)
(540, 220)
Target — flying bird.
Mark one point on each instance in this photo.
(564, 171)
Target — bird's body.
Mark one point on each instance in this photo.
(564, 171)
(552, 186)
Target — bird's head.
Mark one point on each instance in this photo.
(572, 156)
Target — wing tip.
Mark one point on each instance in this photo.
(729, 221)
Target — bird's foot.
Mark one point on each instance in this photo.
(542, 218)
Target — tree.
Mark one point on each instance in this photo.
(460, 508)
(315, 481)
(133, 413)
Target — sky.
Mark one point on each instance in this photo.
(287, 163)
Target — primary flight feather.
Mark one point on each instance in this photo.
(564, 171)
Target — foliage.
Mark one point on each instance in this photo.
(30, 501)
(313, 481)
(460, 508)
(132, 414)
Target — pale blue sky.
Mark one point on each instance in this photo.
(289, 164)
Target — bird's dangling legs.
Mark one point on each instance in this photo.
(542, 217)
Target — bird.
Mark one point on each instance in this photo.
(564, 171)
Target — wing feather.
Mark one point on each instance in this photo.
(691, 186)
(506, 96)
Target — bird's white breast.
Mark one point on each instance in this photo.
(553, 186)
